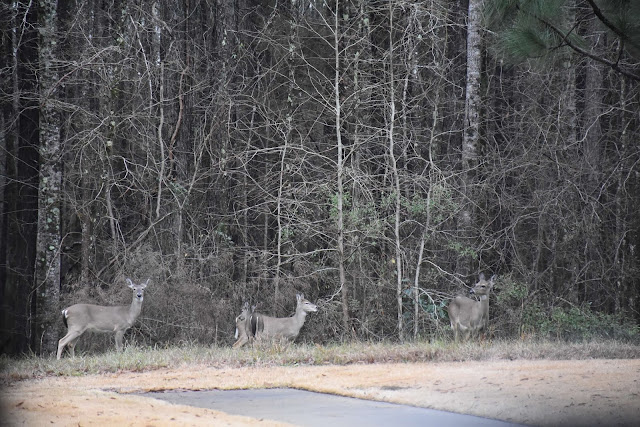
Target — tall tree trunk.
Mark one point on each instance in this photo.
(620, 237)
(427, 223)
(396, 178)
(339, 176)
(49, 196)
(471, 133)
(3, 185)
(592, 159)
(279, 216)
(22, 212)
(85, 231)
(569, 135)
(6, 319)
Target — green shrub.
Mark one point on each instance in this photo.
(577, 323)
(519, 312)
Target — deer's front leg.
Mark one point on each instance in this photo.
(119, 337)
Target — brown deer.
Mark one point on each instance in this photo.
(266, 327)
(80, 318)
(469, 316)
(244, 332)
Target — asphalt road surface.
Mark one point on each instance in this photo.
(305, 408)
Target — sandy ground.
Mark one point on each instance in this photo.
(548, 393)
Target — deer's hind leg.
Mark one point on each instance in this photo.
(240, 342)
(71, 338)
(72, 346)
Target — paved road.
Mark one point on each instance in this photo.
(305, 408)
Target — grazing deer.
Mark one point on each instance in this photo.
(470, 316)
(282, 327)
(244, 332)
(80, 318)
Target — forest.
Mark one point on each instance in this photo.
(375, 155)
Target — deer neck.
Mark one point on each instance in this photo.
(484, 303)
(135, 309)
(300, 316)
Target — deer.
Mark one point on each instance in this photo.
(469, 316)
(244, 332)
(266, 327)
(80, 318)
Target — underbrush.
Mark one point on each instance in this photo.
(137, 359)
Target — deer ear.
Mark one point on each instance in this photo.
(147, 282)
(481, 276)
(131, 285)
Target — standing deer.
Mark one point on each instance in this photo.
(470, 316)
(282, 327)
(244, 332)
(80, 318)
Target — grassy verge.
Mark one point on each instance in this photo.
(136, 359)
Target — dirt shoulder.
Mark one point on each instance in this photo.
(541, 392)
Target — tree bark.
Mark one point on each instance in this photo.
(396, 179)
(49, 196)
(471, 134)
(344, 291)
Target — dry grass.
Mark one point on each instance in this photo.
(136, 359)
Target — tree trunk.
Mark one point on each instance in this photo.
(339, 178)
(396, 179)
(621, 240)
(471, 134)
(22, 189)
(49, 196)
